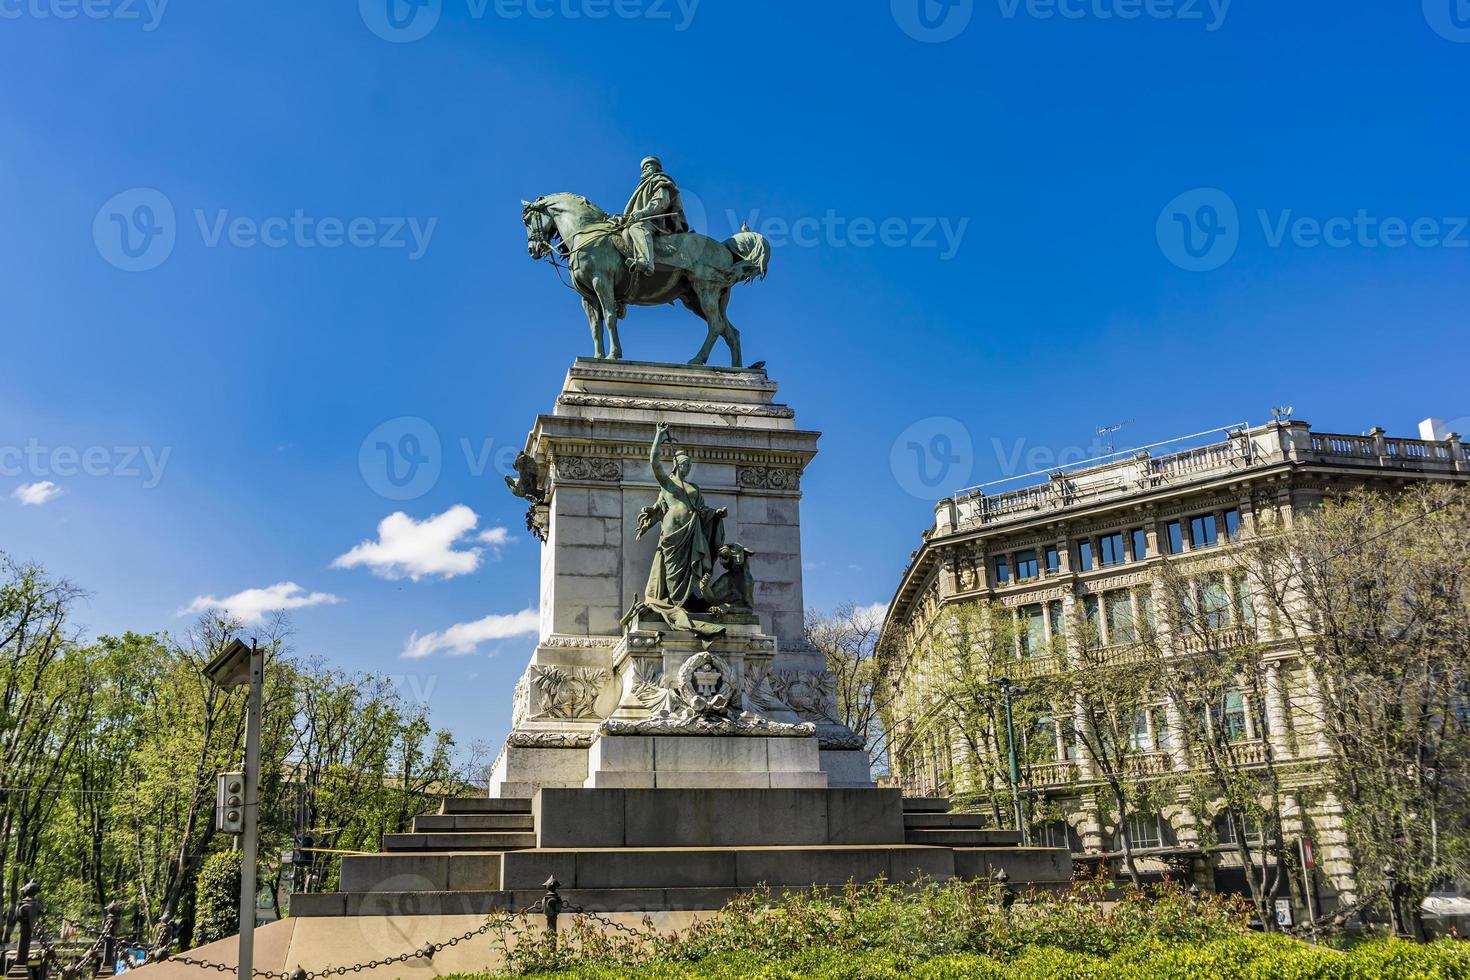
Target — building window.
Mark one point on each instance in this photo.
(1144, 831)
(1033, 631)
(1140, 544)
(1058, 620)
(1225, 830)
(1174, 538)
(1232, 525)
(1214, 603)
(1230, 716)
(1110, 550)
(1244, 607)
(1093, 612)
(1139, 739)
(1058, 833)
(1026, 566)
(1043, 742)
(1084, 556)
(1203, 533)
(1053, 559)
(1120, 617)
(1146, 610)
(1002, 570)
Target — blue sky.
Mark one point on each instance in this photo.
(979, 215)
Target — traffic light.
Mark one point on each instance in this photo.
(229, 803)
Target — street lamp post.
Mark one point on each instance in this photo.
(1007, 691)
(240, 664)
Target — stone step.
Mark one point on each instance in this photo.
(414, 873)
(440, 822)
(958, 821)
(466, 841)
(723, 867)
(483, 804)
(1024, 866)
(965, 837)
(925, 804)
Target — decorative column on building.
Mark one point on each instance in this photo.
(1277, 723)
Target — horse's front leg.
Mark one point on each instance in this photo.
(708, 306)
(594, 320)
(602, 284)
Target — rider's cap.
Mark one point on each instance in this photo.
(653, 160)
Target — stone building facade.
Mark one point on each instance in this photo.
(1083, 546)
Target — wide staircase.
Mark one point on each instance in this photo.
(655, 850)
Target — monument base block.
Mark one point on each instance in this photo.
(704, 762)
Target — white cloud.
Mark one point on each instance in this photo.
(36, 494)
(871, 614)
(412, 549)
(462, 638)
(251, 605)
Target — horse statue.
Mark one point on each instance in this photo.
(689, 267)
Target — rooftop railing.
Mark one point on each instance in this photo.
(1128, 472)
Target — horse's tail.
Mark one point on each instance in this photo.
(754, 253)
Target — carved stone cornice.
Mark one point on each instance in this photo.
(754, 382)
(562, 641)
(577, 398)
(698, 726)
(550, 740)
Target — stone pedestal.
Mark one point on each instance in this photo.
(591, 677)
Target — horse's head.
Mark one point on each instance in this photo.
(540, 228)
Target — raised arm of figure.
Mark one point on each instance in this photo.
(660, 474)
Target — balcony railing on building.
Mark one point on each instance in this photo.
(1127, 473)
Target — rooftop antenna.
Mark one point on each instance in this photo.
(1282, 412)
(1105, 432)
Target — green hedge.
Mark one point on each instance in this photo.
(1252, 957)
(958, 929)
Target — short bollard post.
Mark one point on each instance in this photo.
(551, 904)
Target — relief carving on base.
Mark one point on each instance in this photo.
(703, 698)
(588, 468)
(768, 477)
(567, 693)
(811, 694)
